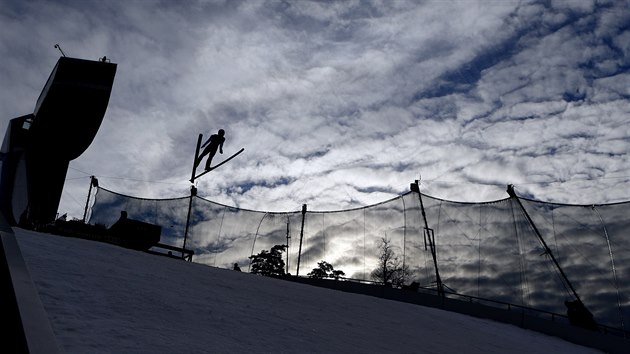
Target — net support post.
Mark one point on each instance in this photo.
(297, 272)
(93, 183)
(512, 194)
(430, 237)
(193, 193)
(288, 239)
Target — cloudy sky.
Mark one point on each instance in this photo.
(341, 104)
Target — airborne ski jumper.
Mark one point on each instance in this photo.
(214, 143)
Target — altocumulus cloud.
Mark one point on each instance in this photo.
(342, 104)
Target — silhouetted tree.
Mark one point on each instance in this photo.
(325, 270)
(390, 269)
(269, 262)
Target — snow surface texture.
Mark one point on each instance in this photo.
(102, 298)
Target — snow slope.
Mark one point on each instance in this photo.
(102, 298)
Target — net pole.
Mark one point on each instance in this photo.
(512, 194)
(297, 272)
(404, 232)
(193, 192)
(288, 239)
(93, 183)
(415, 187)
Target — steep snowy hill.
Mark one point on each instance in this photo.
(102, 298)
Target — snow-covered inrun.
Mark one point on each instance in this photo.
(102, 298)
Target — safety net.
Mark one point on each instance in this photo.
(512, 250)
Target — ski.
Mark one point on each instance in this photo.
(213, 168)
(194, 167)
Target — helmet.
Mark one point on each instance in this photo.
(221, 132)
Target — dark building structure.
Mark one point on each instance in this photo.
(38, 147)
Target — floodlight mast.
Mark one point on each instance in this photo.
(430, 236)
(59, 47)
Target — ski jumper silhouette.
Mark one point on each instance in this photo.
(214, 142)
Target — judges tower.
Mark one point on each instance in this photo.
(38, 147)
